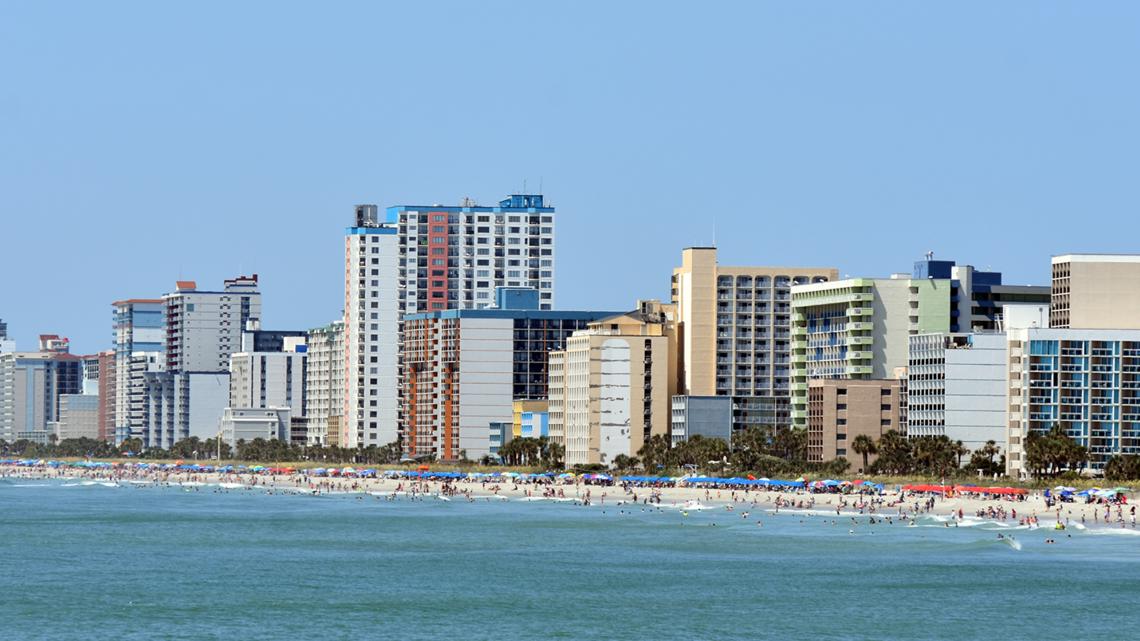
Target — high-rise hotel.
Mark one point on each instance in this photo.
(427, 258)
(736, 334)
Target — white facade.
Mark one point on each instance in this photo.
(615, 399)
(247, 424)
(268, 379)
(956, 386)
(371, 335)
(485, 381)
(205, 328)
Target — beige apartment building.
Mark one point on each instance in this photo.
(1095, 291)
(840, 410)
(610, 389)
(734, 328)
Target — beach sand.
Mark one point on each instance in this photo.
(757, 502)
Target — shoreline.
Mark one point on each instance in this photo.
(1030, 512)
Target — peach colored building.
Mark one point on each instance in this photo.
(840, 410)
(611, 388)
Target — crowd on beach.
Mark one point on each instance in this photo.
(866, 502)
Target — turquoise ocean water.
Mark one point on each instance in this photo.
(88, 561)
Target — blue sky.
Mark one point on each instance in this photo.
(141, 143)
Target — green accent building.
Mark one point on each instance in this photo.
(859, 329)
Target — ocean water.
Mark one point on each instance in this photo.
(89, 561)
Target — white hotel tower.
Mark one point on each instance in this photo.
(371, 331)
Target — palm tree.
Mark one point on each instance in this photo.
(865, 445)
(960, 450)
(624, 463)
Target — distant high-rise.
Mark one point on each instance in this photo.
(31, 384)
(140, 331)
(203, 328)
(186, 390)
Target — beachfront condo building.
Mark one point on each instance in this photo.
(610, 389)
(1096, 291)
(31, 385)
(1085, 380)
(324, 383)
(140, 332)
(858, 329)
(734, 326)
(956, 387)
(371, 331)
(839, 411)
(467, 369)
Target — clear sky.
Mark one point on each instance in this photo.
(142, 143)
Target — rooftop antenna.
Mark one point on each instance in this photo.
(540, 185)
(930, 255)
(714, 230)
(524, 185)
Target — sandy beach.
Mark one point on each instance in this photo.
(1031, 511)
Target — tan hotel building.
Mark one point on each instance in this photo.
(1095, 291)
(735, 332)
